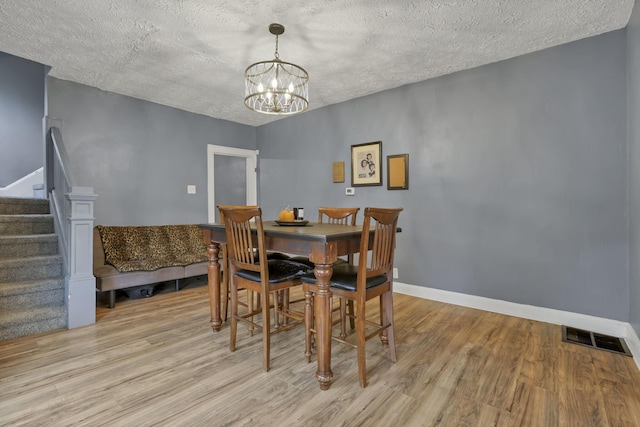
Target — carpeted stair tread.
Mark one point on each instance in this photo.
(32, 268)
(38, 237)
(17, 205)
(25, 295)
(28, 245)
(24, 217)
(14, 317)
(30, 261)
(18, 323)
(14, 225)
(8, 289)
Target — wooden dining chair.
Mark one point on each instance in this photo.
(339, 216)
(342, 216)
(250, 269)
(224, 282)
(371, 278)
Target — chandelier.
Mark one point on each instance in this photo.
(276, 87)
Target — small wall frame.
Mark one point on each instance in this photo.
(338, 171)
(398, 172)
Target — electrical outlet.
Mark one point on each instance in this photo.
(191, 189)
(395, 273)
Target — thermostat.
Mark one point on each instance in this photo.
(350, 191)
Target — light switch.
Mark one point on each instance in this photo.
(191, 189)
(350, 191)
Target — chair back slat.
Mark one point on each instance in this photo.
(242, 243)
(340, 216)
(382, 252)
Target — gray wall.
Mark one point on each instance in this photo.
(518, 171)
(139, 156)
(517, 175)
(21, 113)
(633, 75)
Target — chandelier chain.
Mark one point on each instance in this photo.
(276, 54)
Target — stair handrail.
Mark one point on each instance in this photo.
(72, 211)
(57, 153)
(59, 182)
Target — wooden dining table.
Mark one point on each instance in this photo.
(323, 244)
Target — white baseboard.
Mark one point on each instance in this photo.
(633, 342)
(582, 321)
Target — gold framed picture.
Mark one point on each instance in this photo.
(398, 172)
(366, 165)
(338, 171)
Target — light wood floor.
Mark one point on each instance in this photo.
(156, 362)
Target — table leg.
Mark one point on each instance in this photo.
(213, 272)
(322, 308)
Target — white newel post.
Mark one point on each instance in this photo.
(80, 284)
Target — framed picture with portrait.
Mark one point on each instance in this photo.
(366, 165)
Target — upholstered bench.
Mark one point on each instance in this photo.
(125, 257)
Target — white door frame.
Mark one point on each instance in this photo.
(251, 157)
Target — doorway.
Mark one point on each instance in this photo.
(231, 178)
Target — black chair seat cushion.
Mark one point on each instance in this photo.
(271, 255)
(280, 270)
(345, 277)
(277, 255)
(306, 261)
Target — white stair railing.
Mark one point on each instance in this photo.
(72, 210)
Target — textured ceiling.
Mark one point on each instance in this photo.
(191, 54)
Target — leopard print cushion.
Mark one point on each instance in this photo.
(149, 248)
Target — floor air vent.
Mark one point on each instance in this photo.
(595, 340)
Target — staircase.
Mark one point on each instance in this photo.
(32, 295)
